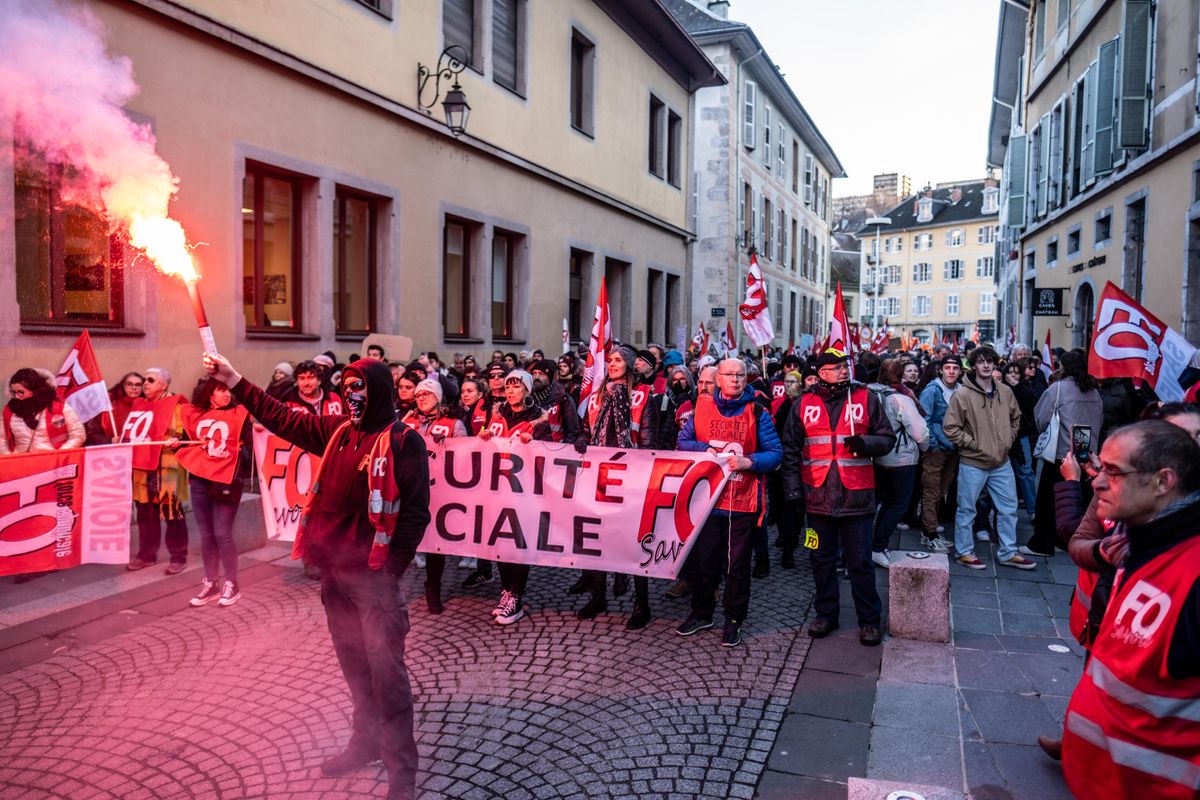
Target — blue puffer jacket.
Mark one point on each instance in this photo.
(933, 400)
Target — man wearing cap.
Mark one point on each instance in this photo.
(833, 432)
(365, 515)
(646, 367)
(550, 397)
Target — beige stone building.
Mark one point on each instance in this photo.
(930, 271)
(330, 204)
(1095, 120)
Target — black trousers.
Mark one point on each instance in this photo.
(368, 620)
(149, 523)
(854, 535)
(513, 577)
(723, 548)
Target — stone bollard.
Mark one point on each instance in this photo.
(919, 597)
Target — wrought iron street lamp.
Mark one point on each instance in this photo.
(451, 62)
(878, 222)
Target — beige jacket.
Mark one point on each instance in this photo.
(983, 426)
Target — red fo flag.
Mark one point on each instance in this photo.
(79, 382)
(756, 319)
(221, 432)
(1130, 342)
(1048, 356)
(148, 422)
(880, 343)
(839, 329)
(728, 342)
(791, 349)
(599, 346)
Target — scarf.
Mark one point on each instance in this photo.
(29, 408)
(907, 392)
(613, 419)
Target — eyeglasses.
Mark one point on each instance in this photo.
(354, 386)
(133, 385)
(1110, 472)
(151, 380)
(738, 375)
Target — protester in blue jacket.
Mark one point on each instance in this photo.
(730, 423)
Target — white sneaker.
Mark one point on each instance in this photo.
(230, 594)
(208, 593)
(941, 528)
(982, 536)
(505, 597)
(419, 560)
(1025, 551)
(935, 544)
(883, 559)
(469, 563)
(511, 611)
(903, 526)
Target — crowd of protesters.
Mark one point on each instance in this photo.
(854, 450)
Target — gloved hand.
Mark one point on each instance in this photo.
(856, 445)
(580, 446)
(438, 438)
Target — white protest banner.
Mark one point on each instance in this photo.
(631, 511)
(285, 474)
(63, 508)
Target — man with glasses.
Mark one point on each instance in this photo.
(730, 424)
(982, 420)
(1131, 727)
(833, 432)
(364, 518)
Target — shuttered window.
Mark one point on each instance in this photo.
(458, 26)
(1105, 105)
(1043, 164)
(1136, 61)
(1016, 174)
(506, 44)
(1088, 170)
(749, 110)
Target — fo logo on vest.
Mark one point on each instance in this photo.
(1149, 607)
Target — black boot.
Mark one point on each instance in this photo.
(597, 605)
(640, 617)
(788, 559)
(433, 597)
(356, 755)
(580, 586)
(620, 584)
(762, 567)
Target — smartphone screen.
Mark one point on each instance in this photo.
(1081, 442)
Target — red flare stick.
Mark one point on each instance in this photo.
(206, 334)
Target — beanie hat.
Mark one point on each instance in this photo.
(324, 360)
(544, 365)
(672, 358)
(831, 357)
(522, 376)
(284, 367)
(432, 386)
(629, 355)
(648, 357)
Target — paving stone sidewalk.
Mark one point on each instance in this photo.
(133, 695)
(963, 716)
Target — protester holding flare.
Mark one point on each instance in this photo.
(35, 419)
(363, 547)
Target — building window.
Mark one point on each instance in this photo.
(985, 267)
(809, 167)
(658, 117)
(923, 241)
(955, 237)
(504, 252)
(952, 305)
(792, 247)
(768, 227)
(578, 268)
(747, 214)
(985, 304)
(749, 115)
(891, 306)
(456, 277)
(69, 269)
(1039, 31)
(782, 153)
(1073, 241)
(991, 200)
(674, 147)
(382, 7)
(354, 249)
(922, 304)
(1103, 228)
(271, 249)
(766, 136)
(781, 239)
(986, 234)
(894, 276)
(925, 209)
(795, 166)
(459, 28)
(583, 71)
(1133, 265)
(953, 270)
(922, 273)
(1052, 252)
(508, 51)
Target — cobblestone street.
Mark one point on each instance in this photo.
(162, 701)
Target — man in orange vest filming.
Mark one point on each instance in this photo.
(834, 430)
(1133, 723)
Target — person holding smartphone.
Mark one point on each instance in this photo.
(1074, 397)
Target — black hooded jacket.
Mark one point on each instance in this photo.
(339, 532)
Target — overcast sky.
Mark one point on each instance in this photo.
(894, 85)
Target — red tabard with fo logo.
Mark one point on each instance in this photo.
(824, 445)
(439, 429)
(741, 433)
(148, 422)
(221, 431)
(639, 398)
(1132, 730)
(500, 427)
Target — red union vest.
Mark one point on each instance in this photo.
(331, 403)
(1081, 600)
(53, 418)
(499, 426)
(825, 445)
(741, 493)
(441, 427)
(554, 418)
(1131, 729)
(639, 398)
(478, 417)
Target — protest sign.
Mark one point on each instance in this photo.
(63, 508)
(285, 474)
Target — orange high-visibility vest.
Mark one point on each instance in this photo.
(825, 445)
